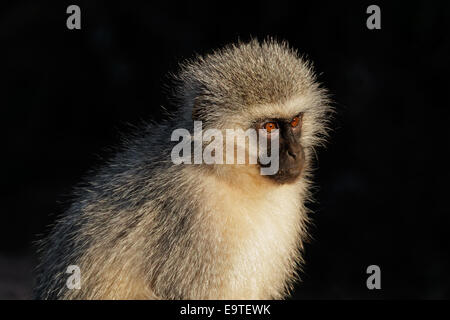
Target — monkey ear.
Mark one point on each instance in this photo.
(198, 94)
(196, 113)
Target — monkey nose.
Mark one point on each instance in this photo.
(292, 154)
(294, 159)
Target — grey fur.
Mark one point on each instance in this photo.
(139, 228)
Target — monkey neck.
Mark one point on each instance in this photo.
(255, 227)
(242, 178)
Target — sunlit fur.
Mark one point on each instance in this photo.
(143, 228)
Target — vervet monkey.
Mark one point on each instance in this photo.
(143, 227)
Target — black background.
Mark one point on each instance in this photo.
(68, 95)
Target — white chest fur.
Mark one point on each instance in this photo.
(260, 232)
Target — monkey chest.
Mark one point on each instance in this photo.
(259, 239)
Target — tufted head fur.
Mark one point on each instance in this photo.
(241, 76)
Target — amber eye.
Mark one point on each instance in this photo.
(269, 126)
(295, 122)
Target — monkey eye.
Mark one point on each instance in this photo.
(296, 120)
(269, 126)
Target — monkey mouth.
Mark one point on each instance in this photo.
(286, 175)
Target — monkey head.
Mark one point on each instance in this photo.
(263, 86)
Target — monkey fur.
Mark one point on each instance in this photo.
(142, 227)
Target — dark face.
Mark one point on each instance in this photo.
(291, 154)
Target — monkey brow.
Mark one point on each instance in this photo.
(275, 119)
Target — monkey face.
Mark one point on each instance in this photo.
(291, 154)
